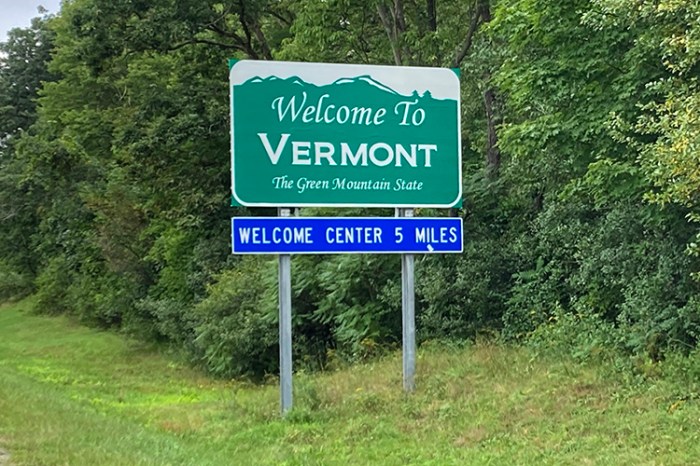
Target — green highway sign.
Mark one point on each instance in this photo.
(310, 134)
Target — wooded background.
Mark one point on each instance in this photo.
(581, 156)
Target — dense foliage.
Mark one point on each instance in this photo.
(581, 137)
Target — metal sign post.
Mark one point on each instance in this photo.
(408, 314)
(285, 321)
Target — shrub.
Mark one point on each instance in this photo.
(13, 284)
(583, 336)
(234, 328)
(52, 285)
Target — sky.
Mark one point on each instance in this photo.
(19, 13)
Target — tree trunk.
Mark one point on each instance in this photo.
(493, 154)
(432, 15)
(393, 21)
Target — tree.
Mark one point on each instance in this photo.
(24, 59)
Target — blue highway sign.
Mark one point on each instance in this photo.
(340, 235)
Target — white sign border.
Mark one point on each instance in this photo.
(265, 68)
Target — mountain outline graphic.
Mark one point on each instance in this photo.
(363, 80)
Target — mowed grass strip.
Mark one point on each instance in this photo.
(78, 396)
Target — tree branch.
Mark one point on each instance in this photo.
(207, 42)
(221, 17)
(466, 45)
(279, 16)
(267, 53)
(389, 26)
(249, 37)
(231, 35)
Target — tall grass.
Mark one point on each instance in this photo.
(70, 395)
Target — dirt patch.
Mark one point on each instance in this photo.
(472, 437)
(4, 458)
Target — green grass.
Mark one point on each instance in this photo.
(77, 396)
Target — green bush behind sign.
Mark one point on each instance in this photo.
(344, 135)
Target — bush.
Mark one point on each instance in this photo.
(160, 320)
(461, 296)
(13, 284)
(623, 264)
(583, 336)
(52, 285)
(358, 303)
(235, 327)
